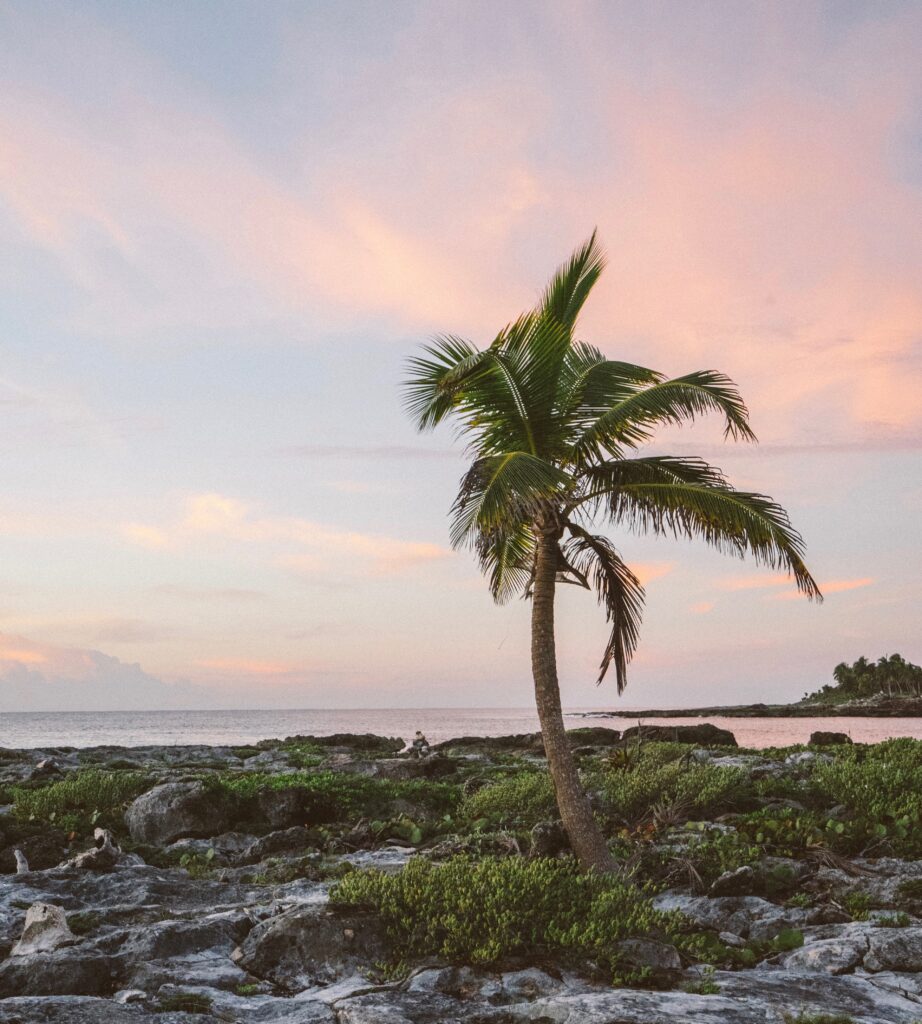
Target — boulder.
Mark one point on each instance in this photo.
(102, 856)
(894, 949)
(704, 735)
(831, 956)
(311, 945)
(740, 882)
(72, 971)
(45, 929)
(548, 839)
(175, 810)
(828, 739)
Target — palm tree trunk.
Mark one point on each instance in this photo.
(585, 838)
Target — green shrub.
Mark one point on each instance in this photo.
(911, 889)
(656, 778)
(86, 799)
(482, 912)
(517, 801)
(336, 796)
(898, 920)
(881, 785)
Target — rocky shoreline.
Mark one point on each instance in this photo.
(882, 708)
(197, 884)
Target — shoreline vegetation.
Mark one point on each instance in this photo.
(340, 878)
(891, 687)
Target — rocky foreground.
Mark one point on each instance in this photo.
(778, 887)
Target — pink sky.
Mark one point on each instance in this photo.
(220, 246)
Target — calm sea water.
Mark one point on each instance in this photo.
(141, 728)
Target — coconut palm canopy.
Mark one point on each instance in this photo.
(554, 429)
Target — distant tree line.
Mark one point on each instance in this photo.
(891, 675)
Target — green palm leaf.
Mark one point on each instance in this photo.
(619, 591)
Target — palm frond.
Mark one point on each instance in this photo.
(630, 421)
(431, 386)
(570, 286)
(502, 493)
(733, 522)
(619, 591)
(506, 556)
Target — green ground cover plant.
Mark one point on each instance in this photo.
(516, 801)
(82, 801)
(487, 911)
(337, 796)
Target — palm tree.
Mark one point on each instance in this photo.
(552, 427)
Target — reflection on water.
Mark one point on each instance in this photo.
(139, 728)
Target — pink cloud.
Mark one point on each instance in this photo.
(301, 544)
(702, 607)
(830, 587)
(757, 581)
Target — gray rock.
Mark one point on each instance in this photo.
(747, 916)
(828, 739)
(894, 949)
(45, 929)
(311, 946)
(659, 957)
(740, 882)
(174, 810)
(831, 956)
(706, 734)
(68, 971)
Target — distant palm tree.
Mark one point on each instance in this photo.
(549, 423)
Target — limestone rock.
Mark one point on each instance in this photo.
(894, 949)
(706, 734)
(45, 929)
(310, 946)
(828, 739)
(174, 810)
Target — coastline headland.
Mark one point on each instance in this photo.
(327, 879)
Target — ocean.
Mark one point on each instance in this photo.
(142, 728)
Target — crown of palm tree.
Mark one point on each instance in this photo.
(553, 428)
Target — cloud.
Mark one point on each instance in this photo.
(829, 587)
(301, 544)
(144, 535)
(773, 236)
(247, 667)
(647, 572)
(209, 594)
(757, 581)
(702, 607)
(44, 677)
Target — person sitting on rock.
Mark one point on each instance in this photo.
(420, 746)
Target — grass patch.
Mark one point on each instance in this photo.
(517, 801)
(86, 799)
(487, 911)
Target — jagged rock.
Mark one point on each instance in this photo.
(44, 850)
(748, 916)
(129, 995)
(399, 769)
(104, 855)
(311, 946)
(828, 739)
(227, 848)
(548, 839)
(894, 949)
(163, 940)
(658, 957)
(63, 972)
(22, 865)
(210, 968)
(46, 769)
(832, 956)
(45, 929)
(705, 734)
(739, 882)
(174, 810)
(296, 840)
